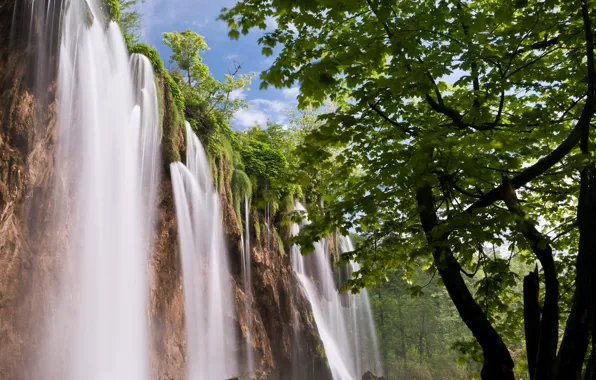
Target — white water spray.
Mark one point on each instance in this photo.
(347, 333)
(107, 164)
(208, 298)
(247, 281)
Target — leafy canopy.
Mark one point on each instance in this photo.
(186, 49)
(460, 98)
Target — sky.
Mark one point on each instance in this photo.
(201, 16)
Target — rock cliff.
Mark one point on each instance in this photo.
(33, 254)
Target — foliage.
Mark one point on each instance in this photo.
(241, 187)
(151, 54)
(266, 164)
(444, 110)
(208, 102)
(280, 242)
(114, 12)
(130, 21)
(173, 102)
(186, 48)
(172, 124)
(416, 333)
(175, 90)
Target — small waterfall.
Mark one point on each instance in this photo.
(368, 357)
(247, 282)
(107, 174)
(209, 307)
(35, 28)
(348, 333)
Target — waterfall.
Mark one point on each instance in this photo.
(209, 308)
(347, 333)
(368, 356)
(247, 281)
(106, 169)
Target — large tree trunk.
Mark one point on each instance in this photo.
(575, 340)
(498, 364)
(532, 319)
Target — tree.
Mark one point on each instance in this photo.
(186, 49)
(209, 104)
(131, 21)
(417, 327)
(459, 124)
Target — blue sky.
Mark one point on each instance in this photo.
(201, 16)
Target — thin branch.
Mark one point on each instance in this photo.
(583, 124)
(390, 121)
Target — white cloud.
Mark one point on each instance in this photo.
(290, 93)
(201, 24)
(238, 94)
(273, 106)
(271, 23)
(247, 118)
(267, 62)
(261, 111)
(293, 29)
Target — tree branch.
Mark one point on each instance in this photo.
(549, 323)
(497, 360)
(390, 121)
(571, 141)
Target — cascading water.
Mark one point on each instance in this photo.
(362, 321)
(347, 333)
(107, 167)
(247, 281)
(207, 289)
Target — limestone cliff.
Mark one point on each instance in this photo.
(33, 254)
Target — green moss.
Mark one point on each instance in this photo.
(173, 121)
(265, 234)
(257, 227)
(151, 54)
(114, 10)
(241, 186)
(175, 90)
(280, 242)
(159, 68)
(320, 350)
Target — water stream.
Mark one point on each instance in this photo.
(247, 282)
(208, 300)
(107, 164)
(347, 331)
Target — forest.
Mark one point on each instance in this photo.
(452, 142)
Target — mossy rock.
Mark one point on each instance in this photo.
(151, 54)
(159, 68)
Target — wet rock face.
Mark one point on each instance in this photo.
(282, 329)
(166, 299)
(29, 255)
(33, 249)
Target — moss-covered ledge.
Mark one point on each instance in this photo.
(172, 102)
